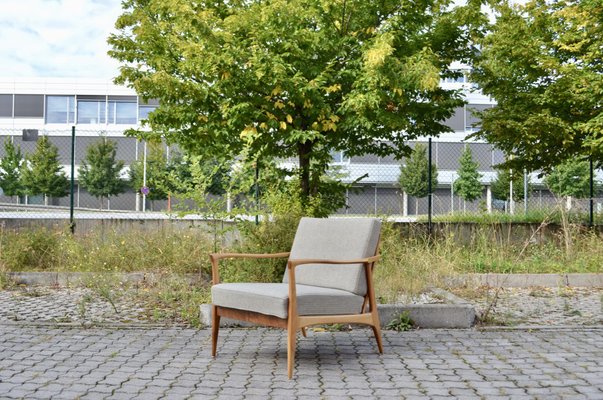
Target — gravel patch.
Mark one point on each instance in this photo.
(557, 306)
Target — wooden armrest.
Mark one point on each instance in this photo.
(218, 256)
(368, 260)
(215, 257)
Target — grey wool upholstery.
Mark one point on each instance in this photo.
(334, 239)
(321, 289)
(273, 299)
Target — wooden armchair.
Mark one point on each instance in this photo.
(328, 280)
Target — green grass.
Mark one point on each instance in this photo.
(532, 216)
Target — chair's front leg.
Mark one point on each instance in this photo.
(215, 327)
(292, 321)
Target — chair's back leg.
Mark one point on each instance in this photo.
(215, 327)
(377, 332)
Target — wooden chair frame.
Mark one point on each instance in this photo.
(294, 321)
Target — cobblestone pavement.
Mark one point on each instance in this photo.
(70, 363)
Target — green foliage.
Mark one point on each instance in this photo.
(42, 172)
(502, 185)
(294, 78)
(36, 249)
(160, 250)
(10, 170)
(401, 323)
(100, 172)
(467, 186)
(541, 63)
(571, 178)
(414, 176)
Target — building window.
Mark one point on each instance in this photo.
(91, 110)
(339, 157)
(29, 106)
(6, 105)
(146, 107)
(60, 109)
(122, 110)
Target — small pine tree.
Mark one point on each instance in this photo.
(157, 179)
(500, 187)
(42, 172)
(10, 170)
(468, 186)
(570, 179)
(100, 171)
(414, 176)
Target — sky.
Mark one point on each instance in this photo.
(57, 38)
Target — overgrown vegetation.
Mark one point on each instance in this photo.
(178, 267)
(555, 216)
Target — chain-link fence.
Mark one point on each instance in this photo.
(380, 191)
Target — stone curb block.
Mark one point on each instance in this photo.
(590, 280)
(428, 316)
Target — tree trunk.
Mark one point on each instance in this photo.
(304, 150)
(45, 200)
(416, 206)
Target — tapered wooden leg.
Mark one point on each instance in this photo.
(215, 327)
(291, 338)
(304, 332)
(377, 331)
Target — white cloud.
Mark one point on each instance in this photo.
(57, 38)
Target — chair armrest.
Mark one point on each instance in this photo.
(218, 256)
(215, 257)
(368, 260)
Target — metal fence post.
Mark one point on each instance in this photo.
(71, 219)
(591, 219)
(429, 190)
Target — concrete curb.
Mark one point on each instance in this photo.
(79, 278)
(590, 280)
(457, 313)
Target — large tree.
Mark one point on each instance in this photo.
(542, 64)
(295, 78)
(100, 172)
(414, 174)
(42, 172)
(467, 186)
(10, 170)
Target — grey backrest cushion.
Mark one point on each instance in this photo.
(334, 239)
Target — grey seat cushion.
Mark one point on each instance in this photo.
(334, 239)
(273, 299)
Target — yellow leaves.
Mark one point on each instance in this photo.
(398, 91)
(276, 91)
(382, 48)
(289, 119)
(225, 75)
(333, 88)
(283, 125)
(326, 124)
(279, 104)
(263, 125)
(248, 134)
(307, 103)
